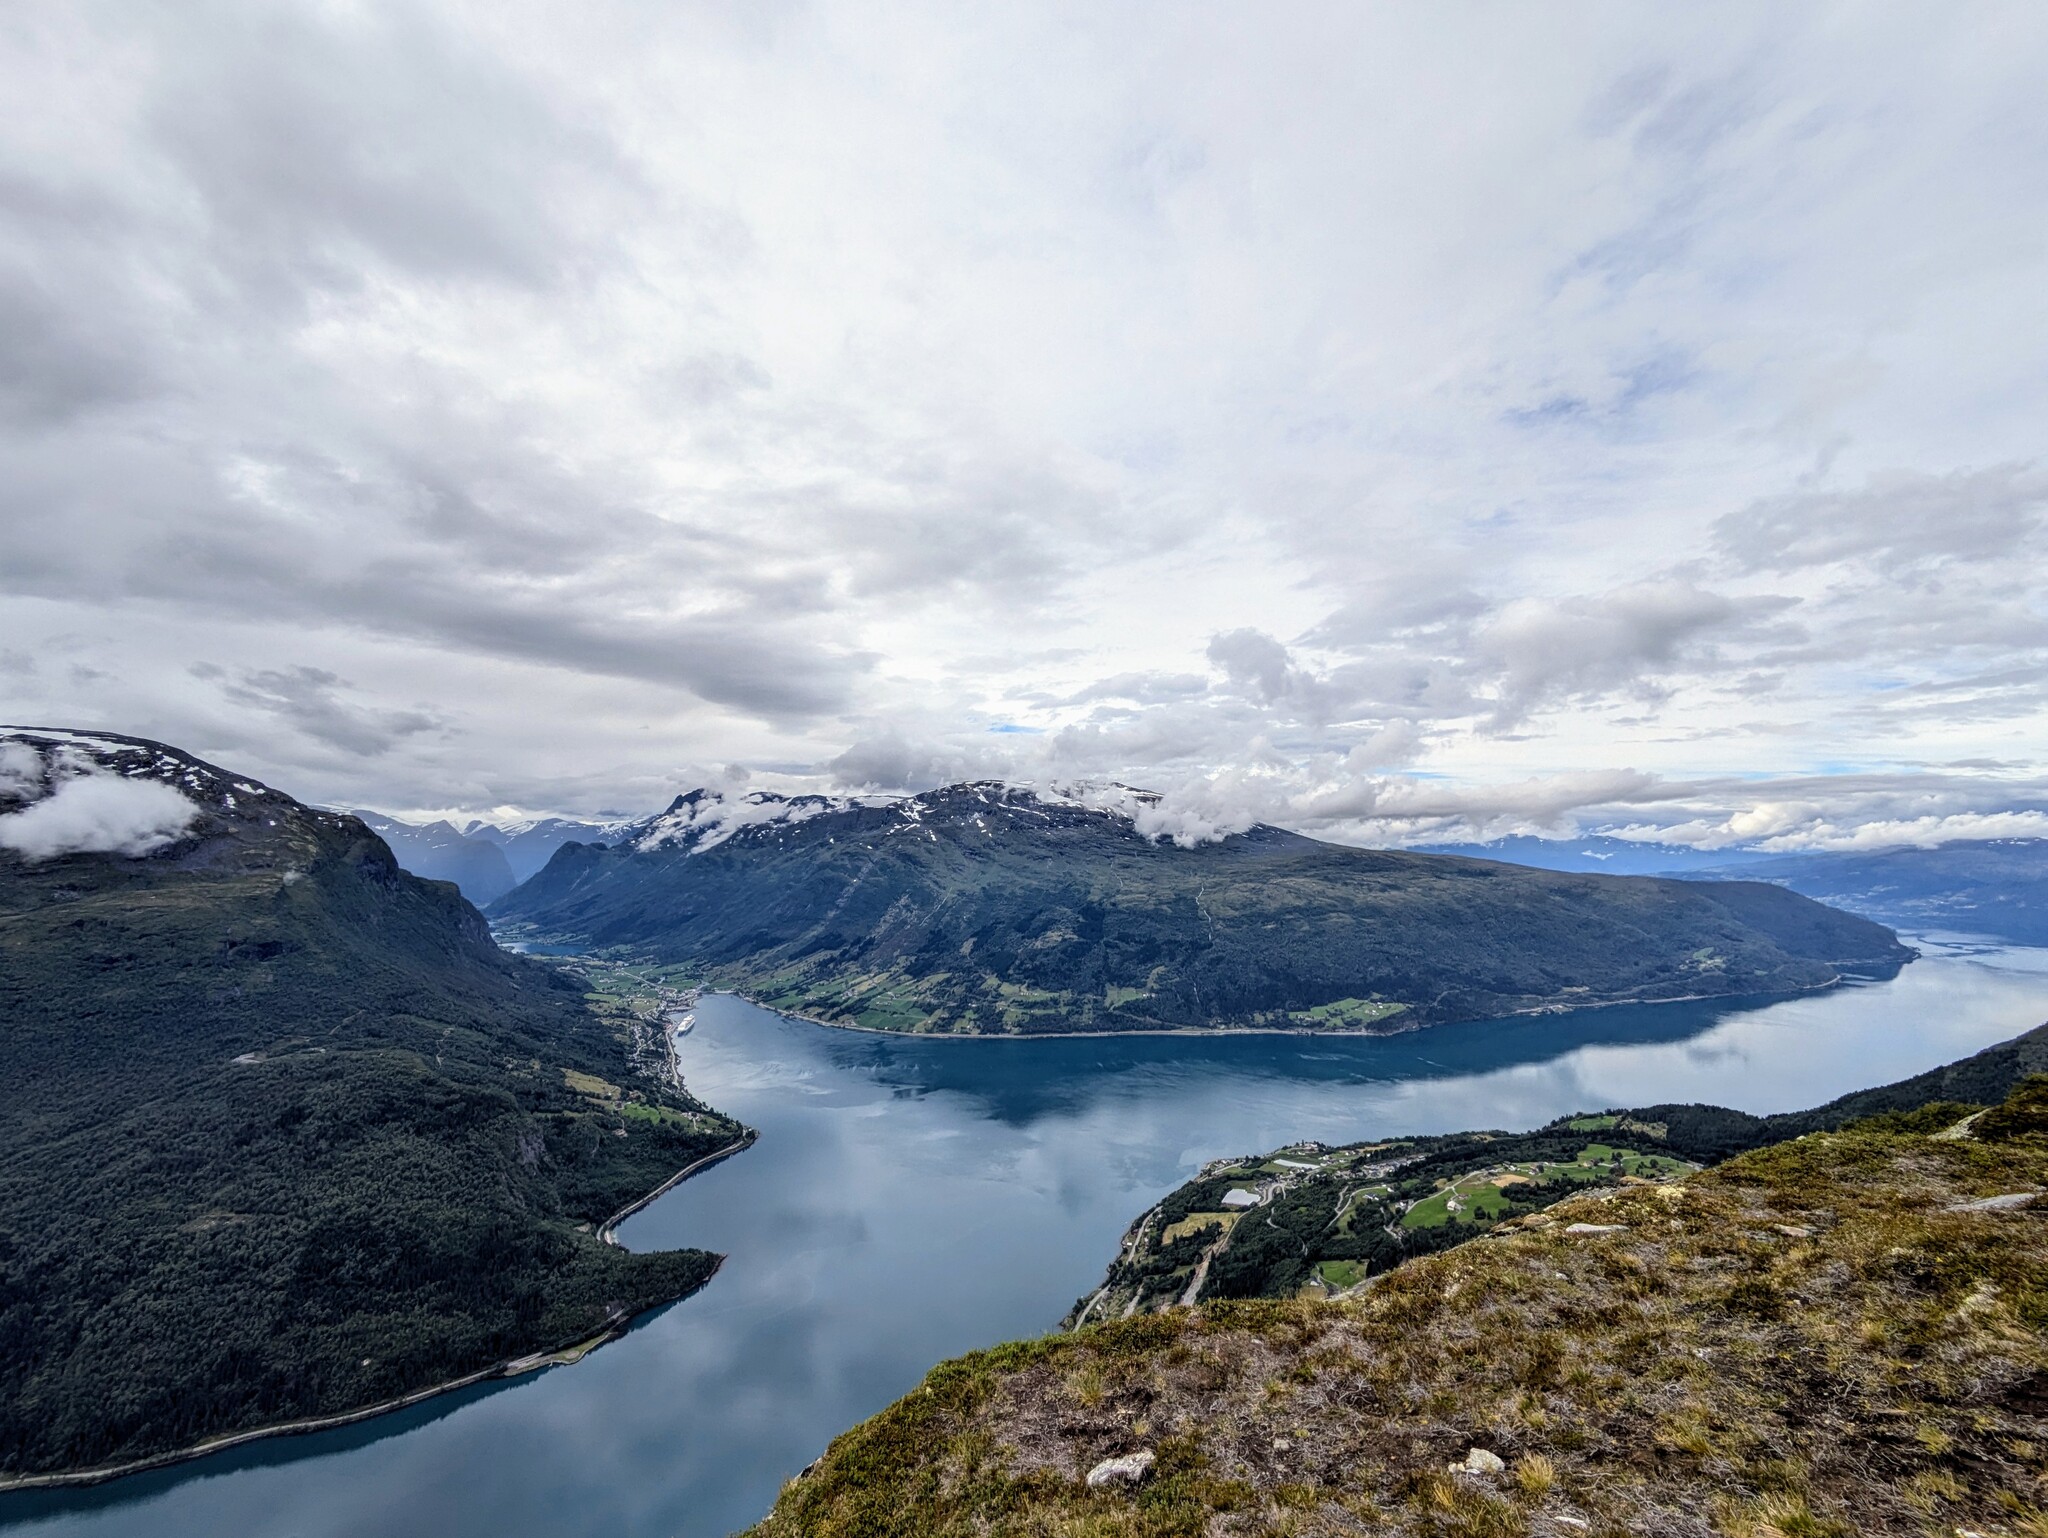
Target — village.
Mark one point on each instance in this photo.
(1315, 1220)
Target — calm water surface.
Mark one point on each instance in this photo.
(911, 1200)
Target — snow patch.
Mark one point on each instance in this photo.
(705, 819)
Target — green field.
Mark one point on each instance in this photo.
(1480, 1197)
(1346, 1014)
(1597, 1162)
(1340, 1273)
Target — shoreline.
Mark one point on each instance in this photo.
(510, 1367)
(1531, 1012)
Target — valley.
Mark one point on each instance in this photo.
(912, 1198)
(357, 1160)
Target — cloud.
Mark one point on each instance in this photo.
(1536, 651)
(21, 770)
(515, 406)
(90, 813)
(309, 700)
(1256, 664)
(893, 761)
(1898, 524)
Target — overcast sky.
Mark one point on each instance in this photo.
(1390, 420)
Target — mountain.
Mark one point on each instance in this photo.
(283, 1133)
(528, 846)
(439, 853)
(991, 909)
(1995, 887)
(1614, 856)
(1838, 1335)
(1314, 1217)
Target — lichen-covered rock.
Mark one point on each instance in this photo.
(1127, 1470)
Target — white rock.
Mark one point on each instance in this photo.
(1127, 1470)
(1597, 1228)
(1997, 1203)
(1480, 1461)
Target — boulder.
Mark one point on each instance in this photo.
(1127, 1470)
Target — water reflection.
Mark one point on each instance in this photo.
(909, 1200)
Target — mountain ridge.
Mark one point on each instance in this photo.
(983, 908)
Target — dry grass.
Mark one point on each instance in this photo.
(1805, 1343)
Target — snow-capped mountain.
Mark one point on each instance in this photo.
(992, 908)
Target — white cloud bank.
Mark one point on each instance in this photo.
(1372, 416)
(87, 812)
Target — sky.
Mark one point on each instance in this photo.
(1396, 422)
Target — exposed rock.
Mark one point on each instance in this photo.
(1597, 1228)
(2005, 1203)
(1480, 1461)
(1127, 1470)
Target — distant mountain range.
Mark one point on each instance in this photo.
(283, 1133)
(483, 859)
(438, 852)
(1995, 888)
(986, 908)
(1992, 887)
(528, 846)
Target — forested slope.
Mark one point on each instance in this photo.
(282, 1131)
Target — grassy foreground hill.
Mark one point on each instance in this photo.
(1316, 1219)
(1835, 1336)
(283, 1133)
(989, 909)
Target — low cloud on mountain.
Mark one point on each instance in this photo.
(74, 808)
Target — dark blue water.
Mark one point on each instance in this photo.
(910, 1200)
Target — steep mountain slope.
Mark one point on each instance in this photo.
(282, 1132)
(1310, 1216)
(1995, 887)
(981, 908)
(439, 853)
(1835, 1336)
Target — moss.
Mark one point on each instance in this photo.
(2024, 1113)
